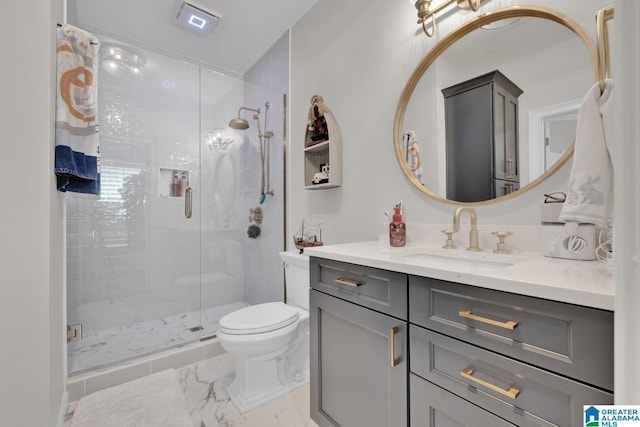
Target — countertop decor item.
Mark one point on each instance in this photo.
(308, 235)
(397, 228)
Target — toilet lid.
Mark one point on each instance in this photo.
(258, 318)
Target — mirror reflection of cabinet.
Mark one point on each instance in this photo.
(482, 138)
(549, 55)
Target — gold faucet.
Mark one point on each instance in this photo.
(473, 233)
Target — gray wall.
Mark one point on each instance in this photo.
(32, 305)
(358, 56)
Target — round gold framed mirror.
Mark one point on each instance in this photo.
(545, 63)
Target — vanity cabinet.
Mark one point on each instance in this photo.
(528, 361)
(359, 346)
(432, 406)
(394, 349)
(481, 125)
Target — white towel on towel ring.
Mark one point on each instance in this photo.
(590, 195)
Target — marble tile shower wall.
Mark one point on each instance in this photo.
(267, 80)
(132, 256)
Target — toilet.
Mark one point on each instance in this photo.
(270, 341)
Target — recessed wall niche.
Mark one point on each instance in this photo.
(172, 182)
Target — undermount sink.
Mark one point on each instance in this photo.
(457, 257)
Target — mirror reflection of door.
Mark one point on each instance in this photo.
(552, 131)
(559, 135)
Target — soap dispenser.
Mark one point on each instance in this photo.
(397, 228)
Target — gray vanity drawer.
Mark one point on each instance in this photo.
(381, 290)
(571, 340)
(432, 406)
(518, 392)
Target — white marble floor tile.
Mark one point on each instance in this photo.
(111, 346)
(205, 387)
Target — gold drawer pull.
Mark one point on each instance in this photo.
(392, 347)
(509, 324)
(352, 283)
(512, 393)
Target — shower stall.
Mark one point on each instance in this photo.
(162, 254)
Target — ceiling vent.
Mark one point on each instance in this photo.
(195, 18)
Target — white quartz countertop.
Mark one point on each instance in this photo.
(587, 283)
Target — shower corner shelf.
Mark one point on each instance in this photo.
(326, 153)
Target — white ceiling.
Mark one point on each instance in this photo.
(247, 29)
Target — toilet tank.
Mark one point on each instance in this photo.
(296, 271)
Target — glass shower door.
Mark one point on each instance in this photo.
(133, 254)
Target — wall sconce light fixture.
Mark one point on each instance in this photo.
(217, 141)
(425, 12)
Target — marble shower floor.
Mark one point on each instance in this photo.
(111, 346)
(205, 388)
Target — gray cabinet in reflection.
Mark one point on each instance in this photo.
(481, 124)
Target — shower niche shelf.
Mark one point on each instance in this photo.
(172, 182)
(323, 160)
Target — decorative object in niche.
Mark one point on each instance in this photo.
(172, 182)
(317, 124)
(322, 152)
(540, 35)
(321, 177)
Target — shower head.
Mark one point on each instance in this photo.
(239, 123)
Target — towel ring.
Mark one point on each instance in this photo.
(603, 59)
(601, 49)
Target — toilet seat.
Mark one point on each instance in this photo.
(258, 319)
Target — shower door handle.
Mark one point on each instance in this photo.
(188, 202)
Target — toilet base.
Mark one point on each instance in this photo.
(245, 402)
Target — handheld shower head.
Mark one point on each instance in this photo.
(239, 123)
